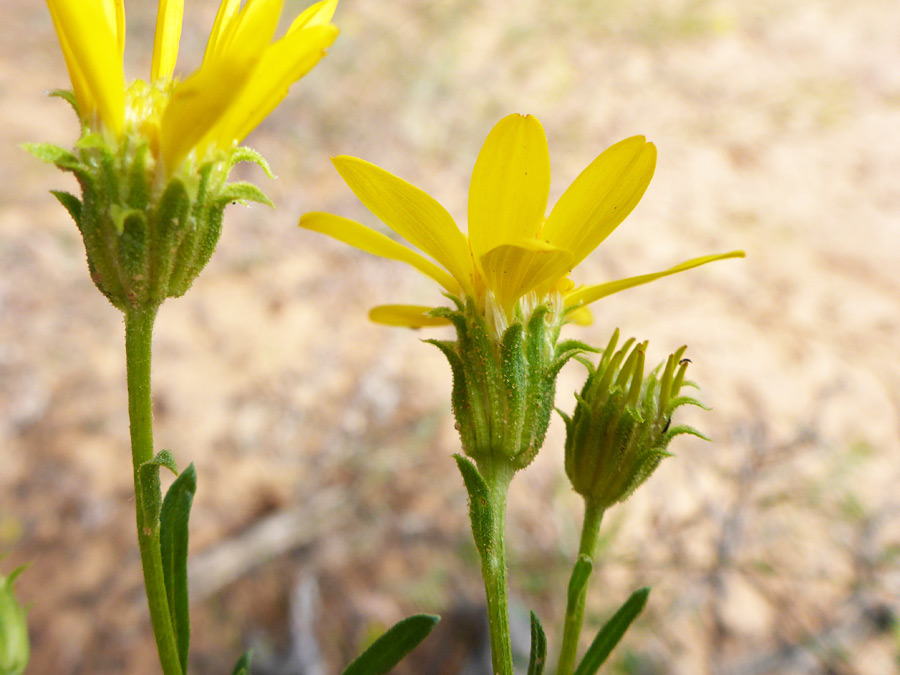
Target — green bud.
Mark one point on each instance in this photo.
(621, 426)
(147, 234)
(14, 646)
(504, 385)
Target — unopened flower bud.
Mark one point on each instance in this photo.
(621, 426)
(14, 646)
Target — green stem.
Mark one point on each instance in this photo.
(493, 566)
(590, 532)
(138, 338)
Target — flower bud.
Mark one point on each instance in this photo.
(621, 426)
(14, 646)
(504, 385)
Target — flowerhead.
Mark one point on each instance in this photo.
(243, 76)
(514, 258)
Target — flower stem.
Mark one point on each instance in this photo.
(138, 338)
(493, 566)
(590, 531)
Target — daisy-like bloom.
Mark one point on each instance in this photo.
(154, 156)
(514, 258)
(509, 279)
(244, 75)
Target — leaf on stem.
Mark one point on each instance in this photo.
(580, 575)
(538, 647)
(479, 504)
(612, 632)
(388, 650)
(173, 544)
(242, 667)
(151, 492)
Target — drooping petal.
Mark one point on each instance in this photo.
(91, 43)
(200, 101)
(601, 197)
(282, 64)
(411, 213)
(368, 240)
(318, 14)
(408, 316)
(581, 316)
(512, 270)
(510, 184)
(588, 294)
(165, 43)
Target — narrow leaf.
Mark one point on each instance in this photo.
(479, 504)
(176, 509)
(243, 192)
(581, 572)
(242, 667)
(388, 650)
(538, 647)
(151, 493)
(612, 632)
(245, 154)
(71, 203)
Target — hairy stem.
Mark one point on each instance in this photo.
(590, 531)
(138, 337)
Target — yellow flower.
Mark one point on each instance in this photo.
(513, 258)
(244, 75)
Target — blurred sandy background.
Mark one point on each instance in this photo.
(326, 441)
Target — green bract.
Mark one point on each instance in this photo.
(503, 389)
(14, 646)
(146, 236)
(621, 426)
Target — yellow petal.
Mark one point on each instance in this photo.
(115, 17)
(318, 14)
(409, 316)
(589, 294)
(90, 37)
(86, 103)
(411, 213)
(512, 270)
(368, 240)
(581, 316)
(601, 197)
(281, 65)
(200, 101)
(224, 19)
(510, 183)
(168, 34)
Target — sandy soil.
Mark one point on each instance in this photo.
(776, 125)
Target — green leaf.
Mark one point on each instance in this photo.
(66, 95)
(71, 203)
(580, 575)
(151, 493)
(479, 504)
(243, 192)
(173, 544)
(538, 647)
(242, 667)
(53, 154)
(612, 632)
(388, 650)
(245, 154)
